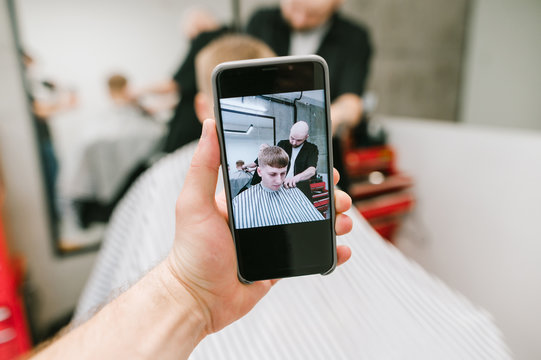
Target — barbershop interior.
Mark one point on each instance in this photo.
(436, 133)
(250, 122)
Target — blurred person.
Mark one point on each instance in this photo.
(239, 179)
(257, 206)
(118, 89)
(184, 127)
(123, 100)
(301, 27)
(116, 145)
(46, 100)
(239, 164)
(197, 20)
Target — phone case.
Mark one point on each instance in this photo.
(270, 62)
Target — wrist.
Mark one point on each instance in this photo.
(179, 296)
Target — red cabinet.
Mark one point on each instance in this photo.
(14, 336)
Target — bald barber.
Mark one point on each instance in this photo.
(303, 157)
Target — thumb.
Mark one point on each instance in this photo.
(203, 173)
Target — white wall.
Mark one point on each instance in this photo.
(58, 280)
(502, 79)
(80, 43)
(476, 222)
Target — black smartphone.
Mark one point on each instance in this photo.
(273, 124)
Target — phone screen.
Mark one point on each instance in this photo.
(273, 125)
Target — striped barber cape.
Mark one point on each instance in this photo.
(259, 206)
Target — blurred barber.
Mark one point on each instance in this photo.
(301, 27)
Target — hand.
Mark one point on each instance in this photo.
(203, 259)
(198, 20)
(291, 182)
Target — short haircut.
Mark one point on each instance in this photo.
(273, 156)
(227, 48)
(239, 163)
(117, 82)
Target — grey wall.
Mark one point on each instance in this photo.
(503, 82)
(314, 116)
(284, 118)
(419, 48)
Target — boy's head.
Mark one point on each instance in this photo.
(273, 161)
(225, 48)
(239, 164)
(118, 87)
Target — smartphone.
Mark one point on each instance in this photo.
(273, 125)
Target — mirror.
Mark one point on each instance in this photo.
(83, 62)
(433, 59)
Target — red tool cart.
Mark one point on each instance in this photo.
(379, 191)
(14, 335)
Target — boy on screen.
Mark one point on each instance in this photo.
(269, 203)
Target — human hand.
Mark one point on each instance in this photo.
(263, 147)
(203, 259)
(198, 20)
(291, 182)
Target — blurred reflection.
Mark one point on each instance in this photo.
(47, 100)
(93, 145)
(111, 148)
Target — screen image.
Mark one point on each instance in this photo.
(277, 158)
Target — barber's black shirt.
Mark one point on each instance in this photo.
(346, 47)
(184, 127)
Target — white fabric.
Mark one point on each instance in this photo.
(294, 153)
(98, 151)
(379, 305)
(307, 42)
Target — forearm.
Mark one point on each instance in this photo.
(45, 109)
(164, 87)
(346, 111)
(250, 166)
(306, 174)
(162, 105)
(155, 319)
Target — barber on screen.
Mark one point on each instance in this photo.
(303, 157)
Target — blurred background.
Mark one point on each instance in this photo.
(454, 86)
